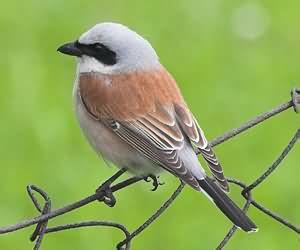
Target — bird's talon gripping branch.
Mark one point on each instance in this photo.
(295, 93)
(105, 192)
(147, 179)
(155, 181)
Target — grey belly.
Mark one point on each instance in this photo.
(111, 147)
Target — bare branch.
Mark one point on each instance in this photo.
(67, 208)
(255, 121)
(245, 209)
(246, 192)
(295, 102)
(271, 169)
(93, 224)
(149, 221)
(41, 226)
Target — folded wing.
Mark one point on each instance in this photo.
(148, 112)
(197, 137)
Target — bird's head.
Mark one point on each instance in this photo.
(111, 48)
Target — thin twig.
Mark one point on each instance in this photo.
(276, 163)
(67, 208)
(93, 224)
(246, 192)
(276, 217)
(260, 118)
(246, 207)
(40, 229)
(157, 214)
(41, 226)
(271, 169)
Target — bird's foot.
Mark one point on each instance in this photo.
(105, 192)
(155, 181)
(107, 195)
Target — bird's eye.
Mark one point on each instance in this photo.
(99, 51)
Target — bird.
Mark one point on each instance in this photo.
(133, 114)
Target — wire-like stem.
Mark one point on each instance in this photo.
(67, 208)
(246, 192)
(276, 163)
(153, 217)
(93, 224)
(251, 123)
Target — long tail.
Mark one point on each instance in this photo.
(226, 205)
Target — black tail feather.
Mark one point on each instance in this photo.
(226, 205)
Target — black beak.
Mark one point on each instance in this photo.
(70, 49)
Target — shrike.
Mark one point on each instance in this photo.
(133, 114)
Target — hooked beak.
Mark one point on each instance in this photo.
(70, 49)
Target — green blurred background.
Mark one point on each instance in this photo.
(232, 60)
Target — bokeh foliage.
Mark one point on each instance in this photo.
(232, 60)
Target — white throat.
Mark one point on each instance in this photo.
(88, 64)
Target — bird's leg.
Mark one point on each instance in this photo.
(105, 188)
(155, 181)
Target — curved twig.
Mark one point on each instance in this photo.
(41, 227)
(68, 208)
(246, 192)
(260, 118)
(276, 163)
(93, 224)
(149, 221)
(246, 207)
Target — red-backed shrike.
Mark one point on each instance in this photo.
(133, 114)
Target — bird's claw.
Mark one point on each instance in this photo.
(106, 194)
(155, 181)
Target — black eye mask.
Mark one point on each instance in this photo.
(98, 51)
